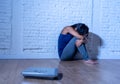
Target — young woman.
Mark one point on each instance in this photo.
(73, 38)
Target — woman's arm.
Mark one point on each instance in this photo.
(73, 32)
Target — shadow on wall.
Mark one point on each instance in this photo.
(93, 46)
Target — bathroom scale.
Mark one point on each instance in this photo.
(40, 72)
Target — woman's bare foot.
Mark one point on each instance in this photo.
(90, 62)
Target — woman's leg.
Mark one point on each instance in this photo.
(82, 50)
(70, 50)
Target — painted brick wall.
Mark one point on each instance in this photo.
(110, 28)
(31, 27)
(5, 26)
(43, 20)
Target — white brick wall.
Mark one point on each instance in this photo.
(41, 22)
(35, 25)
(5, 26)
(110, 28)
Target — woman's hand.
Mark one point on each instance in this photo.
(79, 41)
(85, 38)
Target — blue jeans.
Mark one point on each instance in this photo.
(70, 50)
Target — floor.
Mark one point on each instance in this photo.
(73, 72)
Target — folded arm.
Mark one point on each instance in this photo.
(73, 32)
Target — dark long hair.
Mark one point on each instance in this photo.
(81, 28)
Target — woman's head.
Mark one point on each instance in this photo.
(81, 28)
